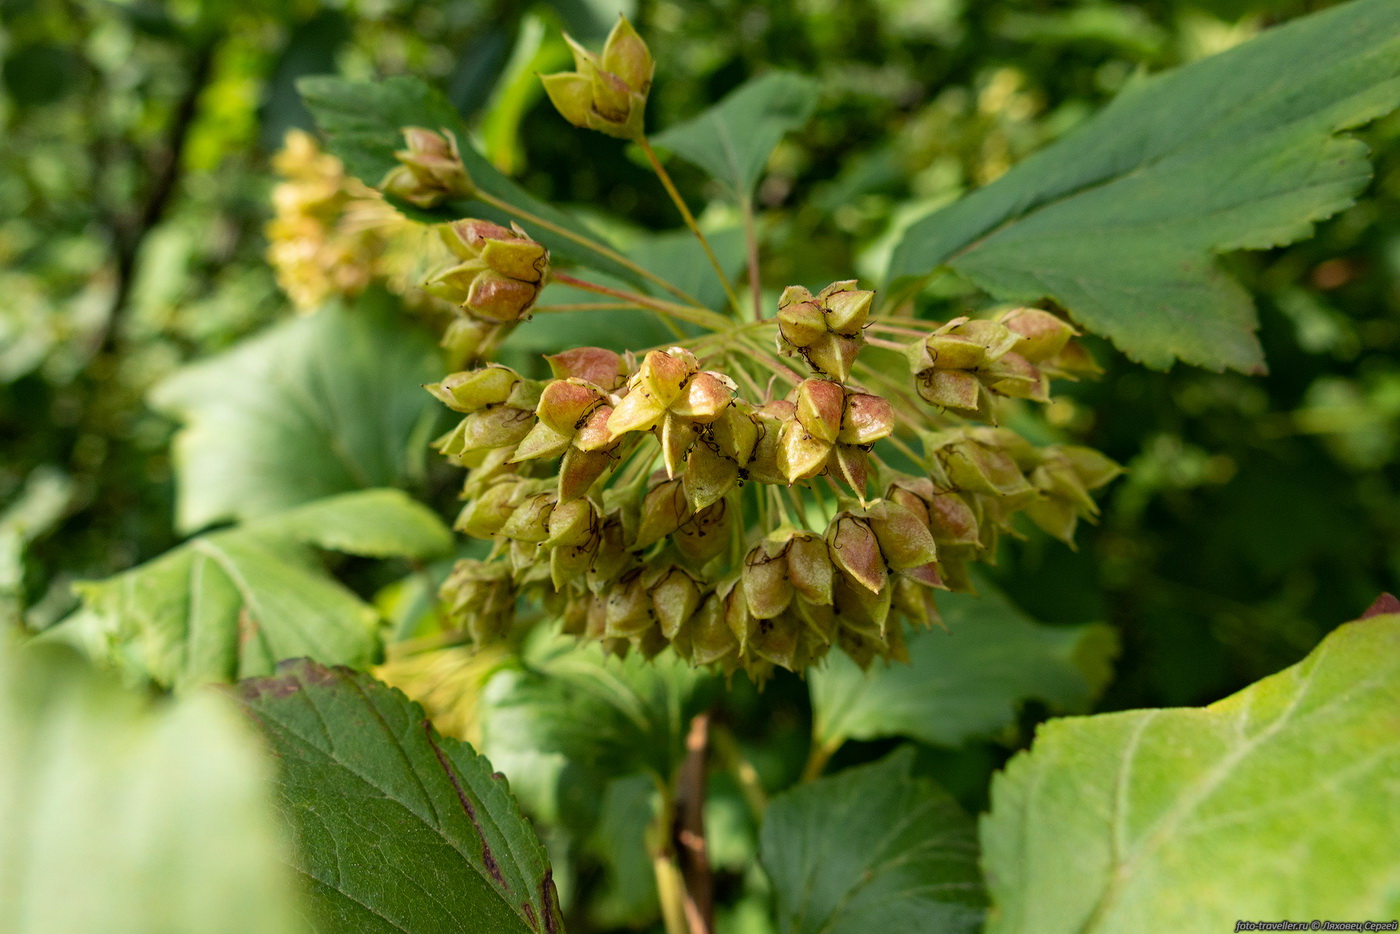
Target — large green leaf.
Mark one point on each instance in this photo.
(733, 139)
(966, 680)
(1278, 802)
(397, 828)
(231, 604)
(1119, 222)
(364, 119)
(872, 848)
(317, 406)
(124, 816)
(616, 716)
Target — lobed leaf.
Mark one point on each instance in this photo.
(316, 406)
(964, 681)
(733, 139)
(231, 604)
(397, 828)
(1275, 803)
(1120, 221)
(872, 848)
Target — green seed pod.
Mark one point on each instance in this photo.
(430, 169)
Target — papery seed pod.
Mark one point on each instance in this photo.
(495, 427)
(671, 396)
(711, 640)
(603, 368)
(705, 535)
(778, 640)
(611, 557)
(606, 93)
(766, 585)
(487, 513)
(719, 459)
(629, 607)
(801, 321)
(865, 419)
(1063, 480)
(846, 307)
(563, 408)
(480, 597)
(664, 509)
(500, 274)
(861, 610)
(825, 329)
(976, 465)
(675, 598)
(820, 404)
(766, 465)
(430, 169)
(950, 365)
(529, 522)
(1043, 335)
(905, 540)
(855, 551)
(477, 389)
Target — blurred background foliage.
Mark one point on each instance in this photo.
(135, 185)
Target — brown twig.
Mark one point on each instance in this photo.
(129, 235)
(689, 829)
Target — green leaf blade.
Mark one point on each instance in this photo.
(733, 139)
(966, 681)
(872, 848)
(1106, 820)
(1120, 221)
(314, 407)
(131, 817)
(398, 828)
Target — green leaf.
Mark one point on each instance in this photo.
(677, 257)
(397, 828)
(364, 120)
(966, 681)
(620, 715)
(626, 893)
(571, 716)
(231, 604)
(125, 816)
(872, 848)
(317, 406)
(1277, 802)
(1120, 221)
(372, 524)
(733, 139)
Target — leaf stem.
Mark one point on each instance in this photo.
(821, 754)
(689, 218)
(587, 242)
(693, 314)
(751, 239)
(580, 306)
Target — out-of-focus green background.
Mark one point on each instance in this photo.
(135, 184)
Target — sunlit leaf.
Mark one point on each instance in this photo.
(1275, 803)
(1120, 222)
(965, 681)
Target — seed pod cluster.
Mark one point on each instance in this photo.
(966, 364)
(652, 506)
(493, 283)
